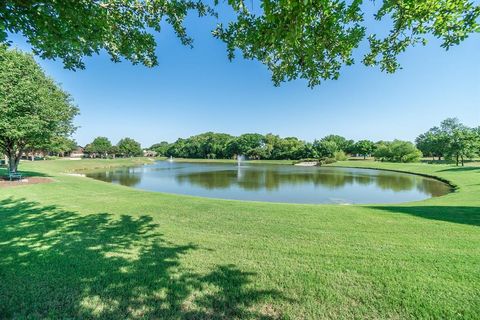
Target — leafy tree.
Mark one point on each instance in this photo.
(342, 143)
(397, 151)
(325, 148)
(463, 144)
(404, 151)
(34, 109)
(364, 148)
(257, 153)
(246, 143)
(306, 39)
(308, 152)
(114, 151)
(383, 151)
(129, 147)
(160, 148)
(286, 148)
(213, 145)
(452, 139)
(177, 149)
(433, 143)
(99, 146)
(60, 145)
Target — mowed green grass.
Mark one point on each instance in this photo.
(80, 248)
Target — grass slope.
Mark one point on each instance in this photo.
(79, 248)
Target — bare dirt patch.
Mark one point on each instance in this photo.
(24, 182)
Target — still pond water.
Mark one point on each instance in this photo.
(277, 183)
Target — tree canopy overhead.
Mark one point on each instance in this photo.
(70, 30)
(308, 39)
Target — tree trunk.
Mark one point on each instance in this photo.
(13, 158)
(364, 156)
(457, 159)
(13, 161)
(12, 166)
(462, 161)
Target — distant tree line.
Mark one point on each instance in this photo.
(452, 141)
(212, 145)
(101, 147)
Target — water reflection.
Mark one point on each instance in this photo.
(272, 179)
(124, 176)
(278, 183)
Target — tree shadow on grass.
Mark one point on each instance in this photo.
(456, 214)
(25, 173)
(462, 169)
(59, 264)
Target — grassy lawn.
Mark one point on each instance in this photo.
(80, 248)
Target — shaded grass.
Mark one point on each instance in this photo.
(80, 248)
(457, 214)
(56, 263)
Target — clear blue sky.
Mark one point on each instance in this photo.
(197, 90)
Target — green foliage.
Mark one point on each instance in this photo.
(397, 151)
(160, 148)
(212, 145)
(433, 143)
(35, 111)
(342, 143)
(309, 151)
(70, 30)
(129, 147)
(364, 148)
(463, 144)
(340, 155)
(452, 140)
(59, 145)
(250, 144)
(296, 39)
(325, 148)
(451, 21)
(283, 148)
(313, 40)
(100, 146)
(306, 39)
(207, 145)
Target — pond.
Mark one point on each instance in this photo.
(277, 183)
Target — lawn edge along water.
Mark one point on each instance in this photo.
(367, 164)
(101, 164)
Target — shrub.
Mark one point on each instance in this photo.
(323, 161)
(340, 156)
(397, 151)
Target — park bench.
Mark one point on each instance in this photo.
(14, 176)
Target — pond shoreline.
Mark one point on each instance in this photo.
(276, 184)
